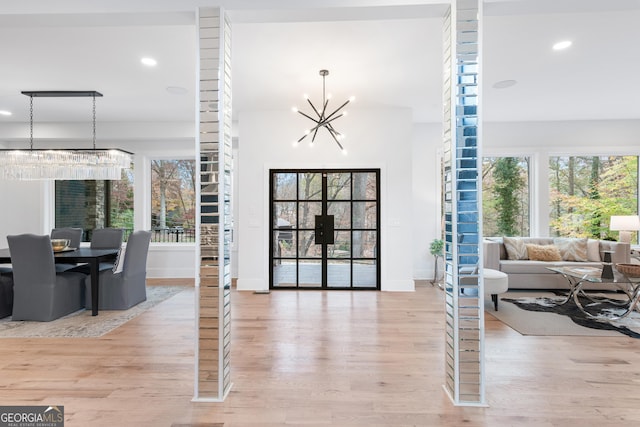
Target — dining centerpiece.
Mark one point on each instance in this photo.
(60, 244)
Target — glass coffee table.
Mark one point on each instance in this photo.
(578, 276)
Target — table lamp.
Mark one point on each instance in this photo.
(625, 224)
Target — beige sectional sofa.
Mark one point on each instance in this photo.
(533, 274)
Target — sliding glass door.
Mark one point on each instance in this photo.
(325, 229)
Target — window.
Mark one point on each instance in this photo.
(586, 190)
(95, 204)
(505, 196)
(173, 200)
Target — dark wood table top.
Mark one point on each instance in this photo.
(77, 255)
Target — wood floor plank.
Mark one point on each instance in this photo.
(314, 358)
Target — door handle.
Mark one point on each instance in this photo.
(324, 230)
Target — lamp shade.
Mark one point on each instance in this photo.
(624, 223)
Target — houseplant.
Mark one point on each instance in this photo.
(436, 248)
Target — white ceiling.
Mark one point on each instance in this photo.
(385, 52)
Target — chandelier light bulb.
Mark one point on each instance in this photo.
(305, 96)
(329, 96)
(352, 98)
(294, 109)
(344, 152)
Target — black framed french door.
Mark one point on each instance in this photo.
(324, 229)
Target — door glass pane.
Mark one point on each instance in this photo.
(365, 215)
(310, 273)
(364, 273)
(310, 186)
(308, 212)
(342, 214)
(285, 215)
(307, 247)
(364, 186)
(342, 245)
(284, 273)
(284, 186)
(364, 244)
(339, 273)
(285, 244)
(338, 186)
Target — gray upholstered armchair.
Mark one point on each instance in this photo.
(39, 293)
(120, 290)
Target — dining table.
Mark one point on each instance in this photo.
(90, 256)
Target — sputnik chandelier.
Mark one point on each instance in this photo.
(324, 119)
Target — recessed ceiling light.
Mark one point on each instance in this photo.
(503, 84)
(176, 90)
(149, 62)
(562, 45)
(5, 113)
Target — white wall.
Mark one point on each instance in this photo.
(375, 139)
(23, 208)
(426, 142)
(560, 137)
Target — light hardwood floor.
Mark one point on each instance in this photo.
(313, 358)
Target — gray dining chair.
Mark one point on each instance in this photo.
(73, 234)
(120, 290)
(103, 238)
(107, 238)
(39, 292)
(6, 293)
(75, 238)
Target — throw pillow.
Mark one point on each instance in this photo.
(543, 252)
(516, 248)
(572, 249)
(593, 250)
(119, 262)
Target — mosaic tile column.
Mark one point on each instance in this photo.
(464, 299)
(213, 379)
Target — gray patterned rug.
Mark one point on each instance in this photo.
(81, 324)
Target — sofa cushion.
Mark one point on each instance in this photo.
(543, 252)
(572, 249)
(540, 267)
(516, 248)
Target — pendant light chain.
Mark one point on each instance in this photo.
(94, 121)
(31, 122)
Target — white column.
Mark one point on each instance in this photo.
(464, 299)
(213, 202)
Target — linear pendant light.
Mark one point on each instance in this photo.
(63, 164)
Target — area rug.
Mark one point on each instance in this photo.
(82, 324)
(540, 313)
